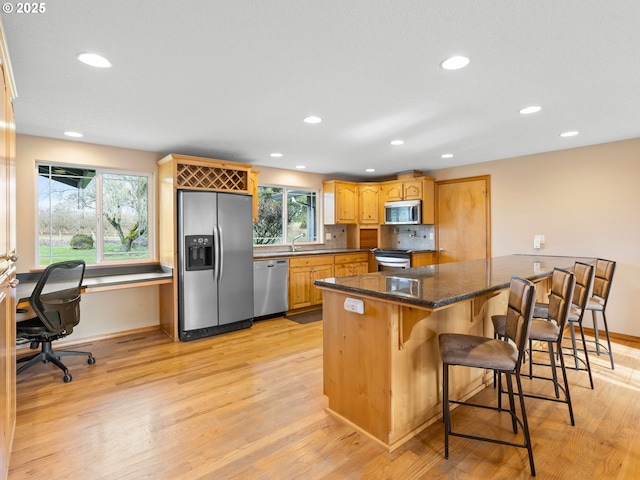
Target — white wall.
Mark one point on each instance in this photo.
(586, 201)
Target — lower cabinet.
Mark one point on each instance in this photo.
(351, 264)
(303, 271)
(423, 259)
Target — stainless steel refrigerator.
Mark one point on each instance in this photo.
(215, 261)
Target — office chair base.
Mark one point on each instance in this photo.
(47, 354)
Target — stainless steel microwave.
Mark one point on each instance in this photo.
(403, 212)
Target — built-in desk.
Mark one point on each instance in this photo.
(382, 369)
(104, 278)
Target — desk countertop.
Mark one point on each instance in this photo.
(437, 286)
(95, 278)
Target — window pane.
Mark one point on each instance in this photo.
(67, 214)
(278, 225)
(301, 215)
(268, 229)
(125, 210)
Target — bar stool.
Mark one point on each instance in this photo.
(551, 331)
(584, 274)
(490, 353)
(598, 303)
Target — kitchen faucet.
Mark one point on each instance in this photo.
(293, 242)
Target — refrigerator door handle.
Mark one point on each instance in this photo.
(216, 254)
(220, 251)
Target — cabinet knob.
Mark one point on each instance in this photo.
(13, 257)
(14, 283)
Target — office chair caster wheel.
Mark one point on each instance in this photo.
(91, 360)
(67, 378)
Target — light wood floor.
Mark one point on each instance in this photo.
(249, 405)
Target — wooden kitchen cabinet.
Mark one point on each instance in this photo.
(303, 271)
(423, 259)
(401, 190)
(340, 202)
(8, 257)
(253, 190)
(351, 264)
(421, 188)
(368, 203)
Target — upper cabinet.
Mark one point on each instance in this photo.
(340, 202)
(401, 190)
(368, 203)
(419, 188)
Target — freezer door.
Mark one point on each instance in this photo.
(235, 287)
(197, 290)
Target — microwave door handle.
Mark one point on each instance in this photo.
(414, 213)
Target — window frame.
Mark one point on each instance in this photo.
(99, 172)
(318, 221)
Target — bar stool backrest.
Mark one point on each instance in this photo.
(519, 313)
(562, 286)
(584, 274)
(603, 278)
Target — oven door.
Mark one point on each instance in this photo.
(389, 263)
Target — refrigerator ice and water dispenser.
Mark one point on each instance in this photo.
(199, 250)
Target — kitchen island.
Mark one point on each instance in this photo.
(381, 365)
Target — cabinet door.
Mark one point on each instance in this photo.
(422, 259)
(5, 204)
(253, 190)
(342, 270)
(346, 202)
(368, 200)
(360, 268)
(391, 192)
(318, 272)
(412, 189)
(428, 201)
(300, 284)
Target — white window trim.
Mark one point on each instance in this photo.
(151, 205)
(319, 213)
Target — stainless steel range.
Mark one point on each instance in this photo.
(390, 258)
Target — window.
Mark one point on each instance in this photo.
(284, 214)
(91, 214)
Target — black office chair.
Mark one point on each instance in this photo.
(56, 305)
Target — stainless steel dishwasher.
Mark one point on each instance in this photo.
(270, 287)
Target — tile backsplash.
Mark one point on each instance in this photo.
(409, 237)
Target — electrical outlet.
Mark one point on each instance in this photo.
(538, 240)
(327, 236)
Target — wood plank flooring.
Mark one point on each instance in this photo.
(249, 405)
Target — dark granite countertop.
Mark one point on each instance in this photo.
(437, 286)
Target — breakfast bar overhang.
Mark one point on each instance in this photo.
(381, 365)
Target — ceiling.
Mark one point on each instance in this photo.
(233, 79)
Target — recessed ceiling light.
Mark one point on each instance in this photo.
(94, 60)
(370, 170)
(300, 167)
(569, 134)
(312, 119)
(446, 155)
(528, 110)
(396, 142)
(73, 134)
(276, 155)
(455, 62)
